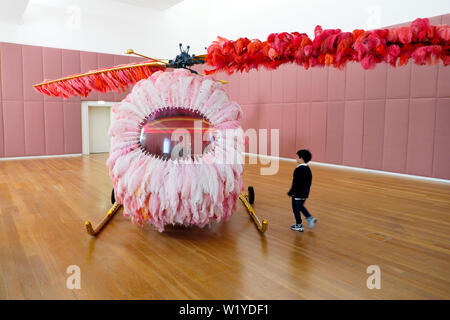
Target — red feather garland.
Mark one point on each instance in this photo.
(103, 80)
(420, 41)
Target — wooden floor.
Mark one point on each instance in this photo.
(44, 204)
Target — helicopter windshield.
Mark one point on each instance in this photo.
(176, 133)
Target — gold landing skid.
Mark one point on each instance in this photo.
(93, 232)
(262, 226)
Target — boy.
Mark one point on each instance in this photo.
(299, 192)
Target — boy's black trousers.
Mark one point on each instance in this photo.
(297, 207)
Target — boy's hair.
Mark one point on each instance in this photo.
(305, 155)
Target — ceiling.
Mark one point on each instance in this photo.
(153, 4)
(12, 11)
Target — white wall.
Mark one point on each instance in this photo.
(112, 27)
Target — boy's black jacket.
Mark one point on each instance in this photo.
(301, 182)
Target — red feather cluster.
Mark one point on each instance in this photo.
(420, 41)
(103, 80)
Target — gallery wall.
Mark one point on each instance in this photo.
(391, 119)
(32, 124)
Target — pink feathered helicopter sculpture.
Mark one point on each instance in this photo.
(159, 182)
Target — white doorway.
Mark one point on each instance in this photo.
(99, 120)
(96, 117)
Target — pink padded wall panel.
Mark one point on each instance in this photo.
(233, 87)
(375, 82)
(1, 97)
(319, 83)
(277, 86)
(423, 81)
(318, 127)
(71, 63)
(446, 19)
(244, 88)
(250, 121)
(304, 84)
(13, 128)
(105, 60)
(88, 62)
(264, 120)
(72, 127)
(225, 77)
(32, 72)
(398, 81)
(288, 130)
(373, 136)
(250, 117)
(245, 119)
(289, 72)
(226, 87)
(2, 153)
(54, 127)
(395, 135)
(336, 84)
(303, 128)
(1, 112)
(52, 66)
(12, 72)
(276, 122)
(436, 20)
(353, 133)
(441, 163)
(253, 87)
(335, 132)
(422, 113)
(34, 128)
(443, 81)
(354, 82)
(135, 59)
(264, 79)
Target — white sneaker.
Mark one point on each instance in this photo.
(297, 227)
(311, 222)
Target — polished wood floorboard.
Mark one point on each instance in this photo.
(44, 204)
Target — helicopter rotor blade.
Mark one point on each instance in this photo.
(131, 51)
